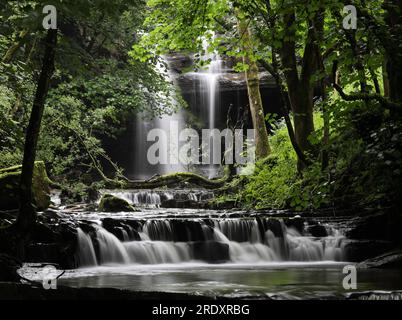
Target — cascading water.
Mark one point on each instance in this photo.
(86, 253)
(154, 198)
(167, 124)
(209, 102)
(205, 107)
(158, 241)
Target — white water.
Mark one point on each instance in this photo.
(86, 252)
(209, 102)
(157, 245)
(154, 198)
(166, 123)
(111, 250)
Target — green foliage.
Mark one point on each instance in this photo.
(364, 169)
(108, 69)
(9, 187)
(95, 87)
(270, 185)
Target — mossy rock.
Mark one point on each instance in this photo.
(110, 203)
(9, 187)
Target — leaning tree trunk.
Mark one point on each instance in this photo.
(27, 214)
(262, 147)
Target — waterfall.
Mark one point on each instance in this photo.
(111, 250)
(207, 99)
(257, 240)
(205, 107)
(154, 198)
(86, 252)
(209, 85)
(142, 125)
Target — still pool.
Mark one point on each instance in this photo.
(275, 280)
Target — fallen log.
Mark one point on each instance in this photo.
(171, 180)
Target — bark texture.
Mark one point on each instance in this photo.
(27, 215)
(262, 147)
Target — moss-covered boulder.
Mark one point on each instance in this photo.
(9, 187)
(110, 203)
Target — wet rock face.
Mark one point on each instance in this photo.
(270, 224)
(382, 225)
(178, 63)
(229, 81)
(317, 230)
(389, 260)
(296, 222)
(181, 67)
(360, 250)
(121, 229)
(182, 204)
(210, 251)
(8, 268)
(375, 295)
(110, 203)
(53, 241)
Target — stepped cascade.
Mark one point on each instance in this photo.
(154, 198)
(209, 240)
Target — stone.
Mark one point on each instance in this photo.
(210, 251)
(359, 250)
(182, 204)
(9, 187)
(375, 295)
(392, 259)
(377, 225)
(110, 203)
(8, 268)
(120, 229)
(19, 291)
(187, 230)
(54, 241)
(272, 224)
(317, 230)
(296, 222)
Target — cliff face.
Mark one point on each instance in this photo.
(213, 96)
(231, 98)
(181, 64)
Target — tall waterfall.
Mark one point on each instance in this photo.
(142, 126)
(209, 86)
(208, 103)
(205, 108)
(158, 241)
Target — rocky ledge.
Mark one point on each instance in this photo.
(389, 260)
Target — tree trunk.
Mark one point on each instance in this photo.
(394, 57)
(385, 79)
(262, 147)
(27, 214)
(300, 87)
(302, 103)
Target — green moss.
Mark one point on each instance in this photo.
(110, 203)
(9, 187)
